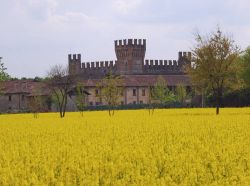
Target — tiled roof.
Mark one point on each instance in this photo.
(145, 80)
(31, 88)
(28, 87)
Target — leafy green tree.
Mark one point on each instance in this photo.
(245, 61)
(3, 75)
(81, 97)
(215, 64)
(111, 87)
(181, 93)
(161, 92)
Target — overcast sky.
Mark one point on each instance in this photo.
(37, 34)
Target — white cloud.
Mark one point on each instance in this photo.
(36, 34)
(125, 6)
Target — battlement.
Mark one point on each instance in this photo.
(130, 55)
(185, 55)
(160, 62)
(74, 57)
(98, 64)
(130, 42)
(162, 67)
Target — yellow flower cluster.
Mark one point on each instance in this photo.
(171, 147)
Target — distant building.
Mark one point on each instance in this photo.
(138, 75)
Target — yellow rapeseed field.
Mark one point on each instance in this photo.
(172, 147)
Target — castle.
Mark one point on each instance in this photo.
(138, 75)
(130, 61)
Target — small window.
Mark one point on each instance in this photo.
(141, 102)
(143, 92)
(134, 102)
(122, 103)
(22, 97)
(122, 94)
(134, 92)
(9, 98)
(91, 103)
(96, 103)
(96, 92)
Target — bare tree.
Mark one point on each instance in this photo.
(36, 104)
(60, 82)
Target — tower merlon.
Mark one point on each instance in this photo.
(74, 57)
(185, 55)
(130, 42)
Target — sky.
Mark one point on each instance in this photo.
(38, 34)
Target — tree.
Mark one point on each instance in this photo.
(81, 96)
(60, 83)
(215, 64)
(111, 87)
(181, 93)
(161, 92)
(245, 61)
(3, 74)
(36, 105)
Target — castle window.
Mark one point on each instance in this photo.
(9, 98)
(122, 94)
(134, 92)
(96, 92)
(143, 92)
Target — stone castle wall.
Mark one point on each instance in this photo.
(100, 68)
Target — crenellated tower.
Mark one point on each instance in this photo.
(184, 58)
(74, 63)
(130, 56)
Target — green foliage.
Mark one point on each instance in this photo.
(111, 87)
(215, 64)
(81, 98)
(161, 93)
(245, 61)
(181, 93)
(3, 74)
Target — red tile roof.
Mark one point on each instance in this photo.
(28, 87)
(145, 80)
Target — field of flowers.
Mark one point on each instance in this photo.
(171, 147)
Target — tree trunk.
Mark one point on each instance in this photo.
(218, 100)
(217, 109)
(202, 99)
